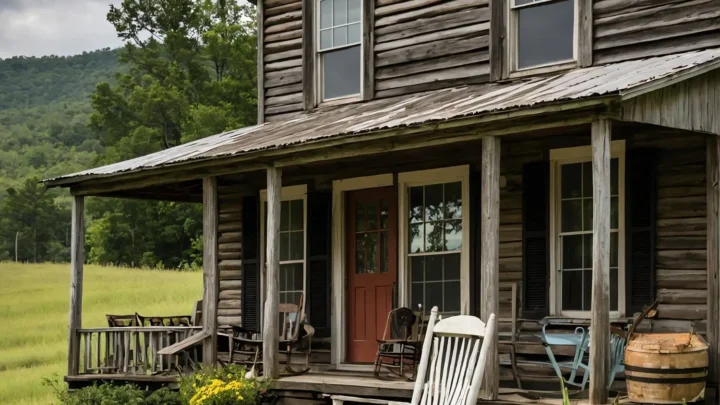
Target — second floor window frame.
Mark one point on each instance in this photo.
(320, 52)
(512, 24)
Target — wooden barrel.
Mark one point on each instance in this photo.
(666, 368)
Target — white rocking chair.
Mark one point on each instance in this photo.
(452, 363)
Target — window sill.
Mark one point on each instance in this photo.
(542, 70)
(341, 101)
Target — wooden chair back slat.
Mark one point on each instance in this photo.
(453, 360)
(291, 316)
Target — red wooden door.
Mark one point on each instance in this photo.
(371, 269)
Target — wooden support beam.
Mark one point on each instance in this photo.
(271, 334)
(600, 306)
(713, 257)
(489, 257)
(77, 259)
(260, 62)
(211, 279)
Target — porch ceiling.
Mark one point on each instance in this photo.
(330, 126)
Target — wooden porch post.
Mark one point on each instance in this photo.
(271, 334)
(600, 317)
(210, 268)
(713, 259)
(489, 257)
(77, 259)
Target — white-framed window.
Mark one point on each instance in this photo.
(293, 241)
(571, 184)
(339, 49)
(542, 35)
(434, 239)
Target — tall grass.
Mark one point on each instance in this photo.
(34, 301)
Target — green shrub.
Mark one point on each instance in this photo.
(164, 396)
(108, 394)
(221, 386)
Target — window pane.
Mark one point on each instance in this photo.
(339, 12)
(284, 246)
(416, 204)
(325, 13)
(354, 10)
(614, 212)
(451, 267)
(417, 268)
(453, 235)
(571, 215)
(417, 296)
(587, 179)
(572, 290)
(353, 33)
(613, 249)
(296, 246)
(587, 250)
(384, 214)
(587, 290)
(360, 254)
(434, 202)
(417, 236)
(571, 178)
(325, 39)
(614, 176)
(452, 297)
(371, 249)
(453, 200)
(360, 217)
(572, 252)
(433, 295)
(434, 237)
(285, 215)
(372, 214)
(384, 252)
(545, 33)
(340, 36)
(342, 72)
(587, 214)
(433, 268)
(613, 289)
(296, 215)
(291, 277)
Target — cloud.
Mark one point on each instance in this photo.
(60, 27)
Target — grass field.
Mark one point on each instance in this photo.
(34, 301)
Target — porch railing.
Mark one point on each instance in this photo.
(134, 350)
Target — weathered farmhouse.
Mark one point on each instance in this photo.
(430, 152)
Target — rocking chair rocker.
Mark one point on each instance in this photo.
(399, 349)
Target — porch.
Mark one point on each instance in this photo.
(592, 207)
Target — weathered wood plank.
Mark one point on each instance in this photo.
(230, 285)
(77, 259)
(231, 275)
(286, 64)
(682, 259)
(498, 34)
(368, 59)
(681, 296)
(230, 237)
(489, 257)
(229, 304)
(288, 26)
(430, 50)
(284, 8)
(210, 268)
(284, 108)
(463, 31)
(713, 255)
(289, 89)
(259, 63)
(284, 99)
(294, 54)
(272, 257)
(435, 76)
(403, 6)
(291, 76)
(656, 34)
(308, 55)
(682, 227)
(688, 311)
(283, 18)
(282, 46)
(585, 33)
(434, 85)
(665, 47)
(427, 25)
(600, 303)
(283, 36)
(690, 279)
(441, 8)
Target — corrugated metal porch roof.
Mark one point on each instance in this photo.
(619, 79)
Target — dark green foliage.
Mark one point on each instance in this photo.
(109, 394)
(164, 396)
(187, 71)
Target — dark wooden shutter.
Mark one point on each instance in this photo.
(640, 208)
(475, 241)
(535, 234)
(251, 264)
(318, 278)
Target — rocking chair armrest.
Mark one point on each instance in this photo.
(244, 340)
(309, 331)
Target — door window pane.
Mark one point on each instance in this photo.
(545, 33)
(341, 72)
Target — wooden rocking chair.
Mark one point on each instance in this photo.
(295, 336)
(452, 363)
(399, 349)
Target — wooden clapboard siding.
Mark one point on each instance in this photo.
(626, 30)
(230, 256)
(681, 277)
(429, 44)
(282, 58)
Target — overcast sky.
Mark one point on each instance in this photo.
(60, 27)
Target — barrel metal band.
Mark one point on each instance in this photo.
(690, 370)
(656, 380)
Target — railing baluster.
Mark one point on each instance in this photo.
(106, 362)
(88, 343)
(126, 351)
(97, 353)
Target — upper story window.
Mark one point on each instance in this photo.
(339, 48)
(542, 34)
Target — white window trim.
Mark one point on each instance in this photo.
(576, 155)
(286, 194)
(339, 304)
(423, 178)
(512, 45)
(319, 72)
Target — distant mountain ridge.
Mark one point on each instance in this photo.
(35, 81)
